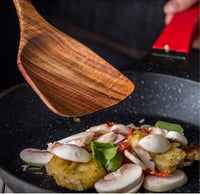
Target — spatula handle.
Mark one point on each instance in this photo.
(180, 32)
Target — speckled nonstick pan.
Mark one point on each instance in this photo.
(27, 122)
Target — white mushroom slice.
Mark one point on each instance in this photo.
(176, 136)
(106, 138)
(145, 126)
(35, 157)
(105, 128)
(121, 129)
(146, 158)
(80, 139)
(119, 138)
(137, 187)
(100, 129)
(122, 180)
(132, 126)
(160, 184)
(70, 152)
(133, 158)
(155, 143)
(156, 130)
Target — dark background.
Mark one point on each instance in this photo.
(120, 31)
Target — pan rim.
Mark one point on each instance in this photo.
(25, 84)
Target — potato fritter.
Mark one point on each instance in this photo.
(74, 175)
(192, 151)
(168, 162)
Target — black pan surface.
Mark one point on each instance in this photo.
(27, 122)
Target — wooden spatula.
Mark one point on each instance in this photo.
(69, 77)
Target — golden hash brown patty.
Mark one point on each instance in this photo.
(170, 160)
(192, 151)
(74, 175)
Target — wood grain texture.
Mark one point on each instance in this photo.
(69, 77)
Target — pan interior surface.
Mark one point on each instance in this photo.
(27, 122)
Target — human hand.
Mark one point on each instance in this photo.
(175, 6)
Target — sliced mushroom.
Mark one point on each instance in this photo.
(155, 143)
(156, 130)
(119, 138)
(100, 129)
(176, 136)
(80, 139)
(126, 177)
(35, 157)
(146, 158)
(106, 138)
(160, 184)
(145, 126)
(70, 152)
(132, 126)
(120, 129)
(137, 187)
(132, 157)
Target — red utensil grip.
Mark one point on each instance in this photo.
(180, 32)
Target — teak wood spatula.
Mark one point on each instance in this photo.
(69, 77)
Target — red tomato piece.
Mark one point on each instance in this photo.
(124, 146)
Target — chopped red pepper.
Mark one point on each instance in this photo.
(130, 132)
(110, 124)
(160, 174)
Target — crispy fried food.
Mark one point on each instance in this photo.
(192, 151)
(74, 175)
(168, 162)
(136, 137)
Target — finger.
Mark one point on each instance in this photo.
(196, 43)
(176, 6)
(168, 18)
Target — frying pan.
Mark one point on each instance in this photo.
(27, 122)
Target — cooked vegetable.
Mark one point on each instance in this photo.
(69, 152)
(132, 157)
(74, 175)
(160, 184)
(124, 146)
(136, 136)
(168, 162)
(169, 126)
(35, 157)
(106, 154)
(155, 143)
(160, 174)
(123, 180)
(192, 151)
(146, 158)
(176, 136)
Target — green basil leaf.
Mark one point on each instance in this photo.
(169, 126)
(106, 154)
(114, 163)
(110, 153)
(35, 168)
(97, 155)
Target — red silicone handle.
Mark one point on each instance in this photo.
(180, 32)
